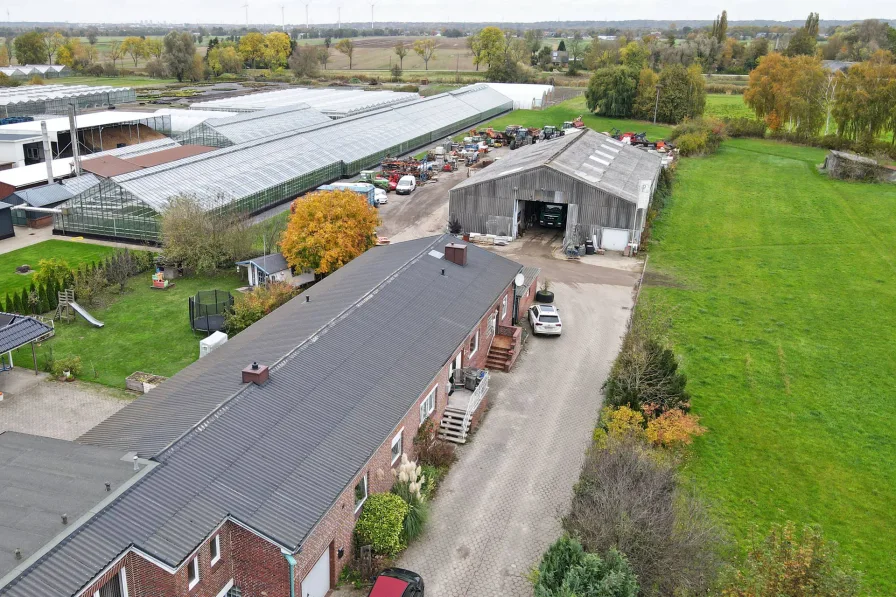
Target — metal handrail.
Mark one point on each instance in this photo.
(475, 401)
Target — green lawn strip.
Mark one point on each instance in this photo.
(570, 110)
(145, 330)
(784, 316)
(73, 252)
(720, 105)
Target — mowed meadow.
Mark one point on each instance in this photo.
(782, 287)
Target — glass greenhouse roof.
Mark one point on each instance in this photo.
(335, 103)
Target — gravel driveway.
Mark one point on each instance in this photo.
(499, 507)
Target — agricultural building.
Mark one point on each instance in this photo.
(253, 176)
(524, 96)
(334, 102)
(600, 185)
(248, 126)
(28, 100)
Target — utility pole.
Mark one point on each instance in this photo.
(371, 14)
(657, 104)
(339, 17)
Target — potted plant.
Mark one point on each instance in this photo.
(544, 295)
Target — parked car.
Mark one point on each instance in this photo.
(545, 319)
(397, 582)
(406, 185)
(381, 197)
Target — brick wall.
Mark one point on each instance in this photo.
(257, 566)
(527, 301)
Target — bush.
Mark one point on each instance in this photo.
(430, 450)
(727, 89)
(71, 364)
(409, 487)
(628, 498)
(381, 523)
(673, 429)
(566, 570)
(88, 284)
(698, 136)
(51, 269)
(745, 127)
(252, 306)
(155, 68)
(409, 88)
(432, 477)
(793, 563)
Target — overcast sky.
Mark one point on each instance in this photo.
(325, 11)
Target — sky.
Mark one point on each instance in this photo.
(325, 11)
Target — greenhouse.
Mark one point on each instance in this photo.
(335, 103)
(253, 176)
(248, 126)
(29, 100)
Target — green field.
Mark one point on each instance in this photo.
(727, 106)
(782, 287)
(569, 110)
(133, 81)
(73, 252)
(145, 330)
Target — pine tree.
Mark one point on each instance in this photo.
(23, 302)
(8, 305)
(52, 297)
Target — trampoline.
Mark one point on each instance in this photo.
(207, 310)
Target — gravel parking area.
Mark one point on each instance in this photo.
(36, 405)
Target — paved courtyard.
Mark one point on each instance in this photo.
(500, 505)
(33, 404)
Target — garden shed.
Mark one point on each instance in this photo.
(599, 187)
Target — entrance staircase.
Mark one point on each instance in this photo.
(454, 426)
(500, 355)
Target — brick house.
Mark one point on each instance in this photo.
(253, 476)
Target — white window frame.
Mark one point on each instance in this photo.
(366, 492)
(428, 405)
(122, 583)
(504, 308)
(194, 564)
(475, 344)
(397, 440)
(216, 543)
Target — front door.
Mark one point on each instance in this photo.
(317, 583)
(456, 363)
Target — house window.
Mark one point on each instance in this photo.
(215, 549)
(504, 308)
(428, 405)
(397, 446)
(361, 492)
(474, 344)
(117, 586)
(193, 572)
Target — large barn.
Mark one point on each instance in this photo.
(599, 187)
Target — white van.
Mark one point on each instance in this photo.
(406, 185)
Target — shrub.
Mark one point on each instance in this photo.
(430, 450)
(71, 364)
(698, 136)
(566, 570)
(745, 127)
(628, 498)
(793, 563)
(618, 423)
(727, 89)
(409, 487)
(674, 428)
(252, 306)
(432, 477)
(89, 282)
(381, 523)
(51, 269)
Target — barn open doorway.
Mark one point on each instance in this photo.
(532, 215)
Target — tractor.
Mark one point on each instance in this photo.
(550, 132)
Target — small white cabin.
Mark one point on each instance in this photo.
(273, 268)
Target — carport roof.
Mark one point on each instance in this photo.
(346, 367)
(592, 157)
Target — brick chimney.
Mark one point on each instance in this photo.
(255, 373)
(456, 253)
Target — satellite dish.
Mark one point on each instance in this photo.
(520, 278)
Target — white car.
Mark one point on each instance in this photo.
(545, 319)
(380, 196)
(406, 185)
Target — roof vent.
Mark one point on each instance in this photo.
(255, 373)
(456, 253)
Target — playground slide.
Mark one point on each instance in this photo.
(83, 313)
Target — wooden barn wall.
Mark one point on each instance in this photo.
(473, 205)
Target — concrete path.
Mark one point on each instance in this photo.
(500, 505)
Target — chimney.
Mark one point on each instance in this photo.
(255, 373)
(456, 253)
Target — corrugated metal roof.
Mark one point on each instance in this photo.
(594, 158)
(108, 166)
(269, 264)
(44, 478)
(529, 275)
(81, 183)
(18, 330)
(345, 369)
(47, 195)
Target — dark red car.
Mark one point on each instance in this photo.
(396, 582)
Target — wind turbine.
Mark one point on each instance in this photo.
(372, 4)
(306, 14)
(283, 17)
(339, 17)
(246, 6)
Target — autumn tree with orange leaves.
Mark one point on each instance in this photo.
(327, 229)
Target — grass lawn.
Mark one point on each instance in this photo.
(727, 106)
(569, 110)
(782, 285)
(73, 252)
(145, 330)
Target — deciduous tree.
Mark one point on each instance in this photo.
(347, 47)
(492, 43)
(116, 51)
(178, 54)
(401, 50)
(645, 98)
(29, 48)
(327, 229)
(305, 61)
(203, 235)
(426, 49)
(611, 91)
(276, 49)
(252, 48)
(474, 44)
(52, 42)
(153, 47)
(224, 59)
(134, 47)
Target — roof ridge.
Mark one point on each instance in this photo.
(573, 141)
(224, 406)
